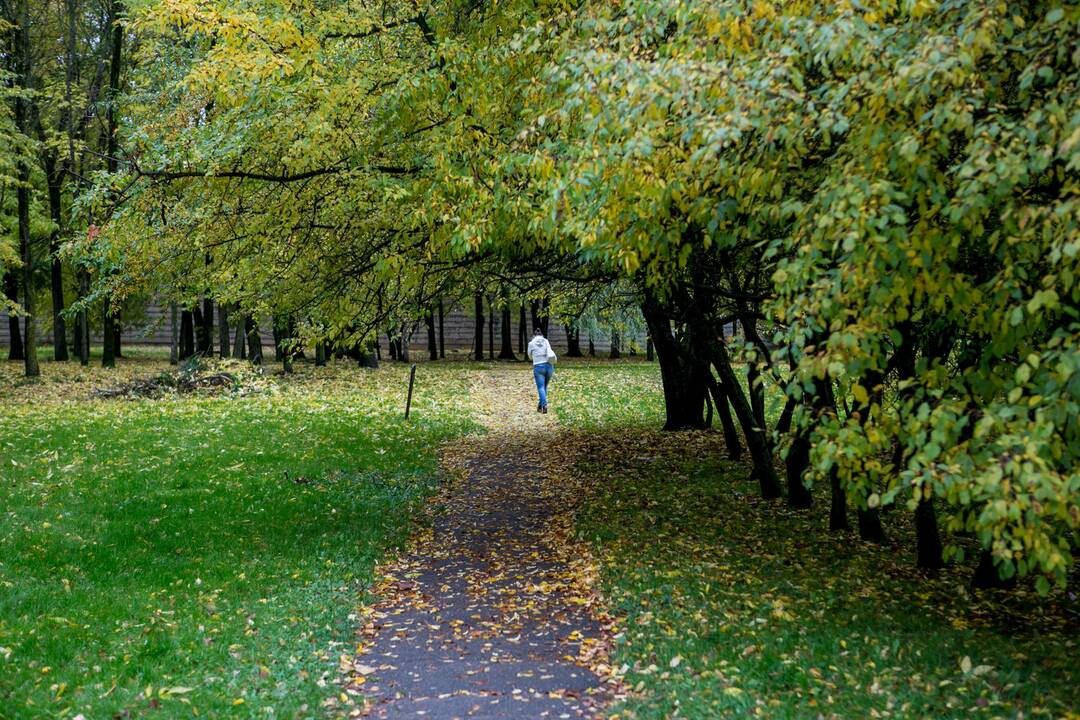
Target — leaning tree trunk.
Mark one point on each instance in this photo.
(760, 453)
(723, 409)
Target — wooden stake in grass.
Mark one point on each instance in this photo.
(412, 379)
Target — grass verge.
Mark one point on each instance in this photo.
(154, 556)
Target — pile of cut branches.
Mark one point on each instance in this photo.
(195, 376)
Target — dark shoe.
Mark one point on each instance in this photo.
(544, 410)
(539, 407)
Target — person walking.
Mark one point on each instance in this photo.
(543, 358)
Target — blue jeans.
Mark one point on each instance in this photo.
(543, 373)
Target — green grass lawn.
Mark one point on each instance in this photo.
(154, 557)
(733, 606)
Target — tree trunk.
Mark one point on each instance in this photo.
(796, 463)
(986, 574)
(16, 350)
(491, 329)
(929, 551)
(56, 279)
(478, 340)
(320, 354)
(573, 340)
(254, 341)
(174, 327)
(442, 337)
(110, 333)
(223, 329)
(432, 345)
(760, 452)
(239, 344)
(22, 122)
(649, 349)
(84, 318)
(208, 328)
(592, 347)
(783, 425)
(277, 329)
(870, 527)
(838, 517)
(118, 329)
(723, 409)
(684, 388)
(187, 334)
(521, 328)
(614, 353)
(506, 334)
(108, 336)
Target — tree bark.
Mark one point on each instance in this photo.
(614, 353)
(478, 340)
(320, 354)
(649, 356)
